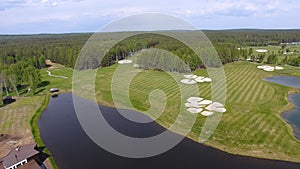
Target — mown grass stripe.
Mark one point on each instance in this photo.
(250, 92)
(251, 123)
(255, 96)
(246, 86)
(235, 85)
(262, 131)
(242, 87)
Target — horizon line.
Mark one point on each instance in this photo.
(183, 30)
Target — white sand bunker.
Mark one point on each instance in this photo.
(193, 104)
(196, 105)
(197, 102)
(188, 81)
(207, 113)
(266, 68)
(207, 80)
(195, 110)
(200, 79)
(269, 68)
(217, 107)
(205, 102)
(278, 68)
(193, 79)
(190, 76)
(194, 99)
(125, 61)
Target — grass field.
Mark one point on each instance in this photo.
(251, 126)
(14, 122)
(64, 85)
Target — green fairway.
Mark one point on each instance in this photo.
(251, 126)
(64, 85)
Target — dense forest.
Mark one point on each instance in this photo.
(22, 55)
(139, 42)
(64, 48)
(254, 37)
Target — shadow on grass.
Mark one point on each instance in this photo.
(39, 91)
(44, 83)
(23, 89)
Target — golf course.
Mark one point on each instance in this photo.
(149, 85)
(251, 126)
(251, 122)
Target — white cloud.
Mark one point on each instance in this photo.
(78, 13)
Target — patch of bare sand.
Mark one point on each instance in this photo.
(52, 65)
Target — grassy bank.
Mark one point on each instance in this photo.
(36, 131)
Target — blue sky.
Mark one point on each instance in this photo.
(59, 16)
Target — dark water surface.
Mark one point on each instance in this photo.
(73, 149)
(290, 81)
(291, 116)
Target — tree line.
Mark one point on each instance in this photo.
(254, 37)
(22, 55)
(65, 48)
(16, 75)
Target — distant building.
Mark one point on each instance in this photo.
(7, 100)
(22, 157)
(261, 50)
(292, 43)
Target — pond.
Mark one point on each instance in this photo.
(290, 81)
(292, 116)
(71, 148)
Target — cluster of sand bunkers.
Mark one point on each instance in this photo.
(193, 79)
(269, 68)
(197, 105)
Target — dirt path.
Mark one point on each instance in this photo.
(50, 74)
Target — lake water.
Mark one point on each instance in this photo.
(71, 148)
(291, 116)
(291, 81)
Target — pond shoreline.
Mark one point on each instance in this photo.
(291, 129)
(291, 105)
(191, 142)
(284, 115)
(36, 131)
